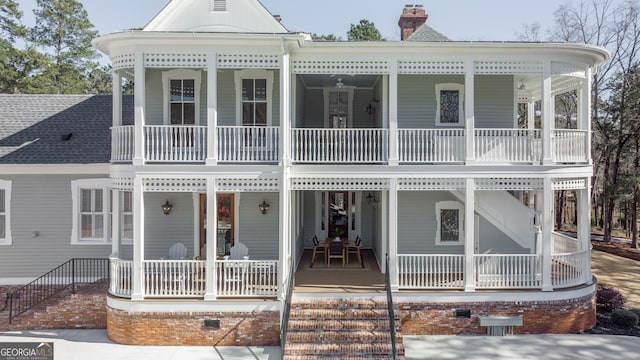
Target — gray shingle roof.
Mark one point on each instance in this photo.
(32, 128)
(425, 33)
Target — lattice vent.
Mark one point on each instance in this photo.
(431, 67)
(509, 184)
(508, 67)
(122, 183)
(339, 67)
(174, 185)
(431, 184)
(175, 60)
(249, 185)
(340, 184)
(124, 61)
(569, 184)
(239, 61)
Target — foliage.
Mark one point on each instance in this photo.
(624, 317)
(635, 311)
(364, 31)
(10, 23)
(329, 37)
(608, 299)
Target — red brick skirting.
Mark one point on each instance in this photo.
(539, 317)
(187, 328)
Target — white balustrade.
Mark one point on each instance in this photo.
(431, 271)
(122, 143)
(570, 146)
(174, 278)
(121, 277)
(569, 269)
(247, 278)
(171, 143)
(564, 244)
(507, 146)
(248, 143)
(431, 145)
(512, 271)
(339, 145)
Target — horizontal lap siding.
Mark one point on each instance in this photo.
(153, 112)
(417, 99)
(226, 98)
(260, 233)
(494, 99)
(161, 231)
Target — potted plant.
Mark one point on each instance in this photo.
(338, 232)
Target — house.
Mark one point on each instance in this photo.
(244, 132)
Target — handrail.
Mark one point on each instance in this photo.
(392, 318)
(6, 302)
(67, 275)
(286, 309)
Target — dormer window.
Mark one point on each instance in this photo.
(219, 5)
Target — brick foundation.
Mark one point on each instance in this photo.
(187, 328)
(539, 317)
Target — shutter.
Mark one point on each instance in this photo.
(218, 5)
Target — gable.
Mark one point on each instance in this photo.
(226, 16)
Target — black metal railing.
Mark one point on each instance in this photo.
(392, 317)
(286, 308)
(66, 276)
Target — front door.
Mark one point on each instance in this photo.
(224, 225)
(338, 213)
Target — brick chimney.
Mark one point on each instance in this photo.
(413, 16)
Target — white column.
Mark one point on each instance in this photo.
(469, 234)
(283, 229)
(469, 112)
(547, 228)
(285, 110)
(138, 155)
(211, 289)
(393, 234)
(584, 225)
(531, 115)
(547, 115)
(116, 84)
(585, 111)
(212, 109)
(115, 223)
(138, 239)
(384, 220)
(393, 113)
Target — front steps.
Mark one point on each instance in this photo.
(340, 329)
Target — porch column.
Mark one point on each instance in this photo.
(393, 113)
(115, 224)
(531, 115)
(210, 287)
(138, 239)
(139, 100)
(285, 109)
(212, 109)
(547, 115)
(547, 228)
(584, 114)
(469, 111)
(584, 225)
(283, 229)
(469, 234)
(393, 234)
(116, 89)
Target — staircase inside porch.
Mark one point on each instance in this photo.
(329, 328)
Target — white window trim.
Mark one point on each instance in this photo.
(446, 87)
(253, 74)
(6, 186)
(180, 74)
(450, 205)
(76, 186)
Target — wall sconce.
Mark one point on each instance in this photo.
(373, 105)
(167, 207)
(264, 206)
(373, 201)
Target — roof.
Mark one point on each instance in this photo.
(425, 33)
(58, 129)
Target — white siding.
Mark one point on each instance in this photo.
(161, 231)
(257, 231)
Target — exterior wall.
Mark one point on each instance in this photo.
(314, 109)
(541, 317)
(226, 98)
(257, 231)
(161, 231)
(42, 204)
(310, 216)
(187, 328)
(300, 102)
(494, 241)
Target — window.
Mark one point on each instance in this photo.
(253, 97)
(181, 97)
(450, 105)
(5, 206)
(449, 217)
(91, 211)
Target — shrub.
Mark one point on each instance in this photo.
(608, 299)
(624, 317)
(635, 311)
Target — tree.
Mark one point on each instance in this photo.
(64, 30)
(364, 31)
(530, 32)
(329, 37)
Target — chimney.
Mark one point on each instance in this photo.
(413, 16)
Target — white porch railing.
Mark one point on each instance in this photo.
(570, 146)
(248, 143)
(431, 145)
(564, 244)
(121, 277)
(569, 269)
(508, 271)
(122, 143)
(174, 278)
(339, 145)
(431, 271)
(169, 143)
(247, 278)
(507, 145)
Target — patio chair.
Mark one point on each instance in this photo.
(336, 251)
(177, 251)
(354, 249)
(238, 251)
(318, 249)
(235, 272)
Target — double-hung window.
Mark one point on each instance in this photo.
(182, 102)
(450, 105)
(5, 206)
(449, 228)
(91, 211)
(254, 102)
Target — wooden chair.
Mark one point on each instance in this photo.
(318, 248)
(355, 250)
(337, 250)
(177, 251)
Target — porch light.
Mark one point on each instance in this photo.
(264, 206)
(167, 207)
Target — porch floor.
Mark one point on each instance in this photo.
(352, 278)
